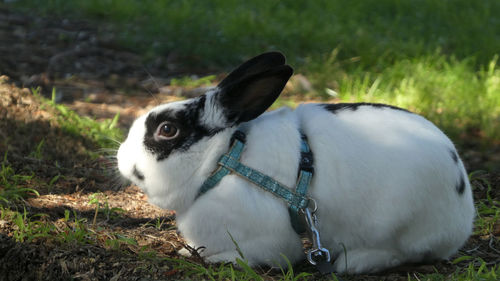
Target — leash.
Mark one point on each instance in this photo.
(297, 200)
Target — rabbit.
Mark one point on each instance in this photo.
(389, 185)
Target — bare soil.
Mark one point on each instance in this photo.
(97, 78)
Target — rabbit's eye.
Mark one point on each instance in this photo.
(167, 131)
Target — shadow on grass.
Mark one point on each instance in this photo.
(56, 161)
(113, 219)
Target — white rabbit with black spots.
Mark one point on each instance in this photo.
(389, 185)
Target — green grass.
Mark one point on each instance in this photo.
(27, 228)
(377, 32)
(438, 58)
(488, 209)
(228, 271)
(100, 201)
(447, 91)
(475, 270)
(74, 230)
(12, 184)
(103, 133)
(16, 185)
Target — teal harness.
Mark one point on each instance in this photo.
(297, 200)
(229, 162)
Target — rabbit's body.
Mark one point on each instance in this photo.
(389, 185)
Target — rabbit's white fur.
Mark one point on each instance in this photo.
(392, 196)
(385, 185)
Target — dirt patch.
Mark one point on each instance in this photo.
(22, 261)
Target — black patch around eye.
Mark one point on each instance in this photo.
(335, 107)
(187, 120)
(461, 185)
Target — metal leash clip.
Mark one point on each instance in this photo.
(316, 253)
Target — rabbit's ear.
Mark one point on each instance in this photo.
(258, 64)
(247, 98)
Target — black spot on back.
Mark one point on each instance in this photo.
(461, 185)
(335, 107)
(454, 155)
(187, 121)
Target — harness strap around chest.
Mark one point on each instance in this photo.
(297, 200)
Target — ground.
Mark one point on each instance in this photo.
(123, 237)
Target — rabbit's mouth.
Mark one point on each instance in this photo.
(137, 174)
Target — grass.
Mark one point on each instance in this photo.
(27, 228)
(447, 91)
(420, 55)
(477, 270)
(12, 184)
(158, 223)
(74, 230)
(70, 229)
(228, 271)
(488, 209)
(104, 133)
(377, 32)
(100, 201)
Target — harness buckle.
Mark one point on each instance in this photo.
(238, 135)
(317, 253)
(306, 162)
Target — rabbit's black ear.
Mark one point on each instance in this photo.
(245, 99)
(258, 64)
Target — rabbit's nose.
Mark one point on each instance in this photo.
(138, 174)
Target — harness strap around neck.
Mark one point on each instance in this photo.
(229, 162)
(237, 144)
